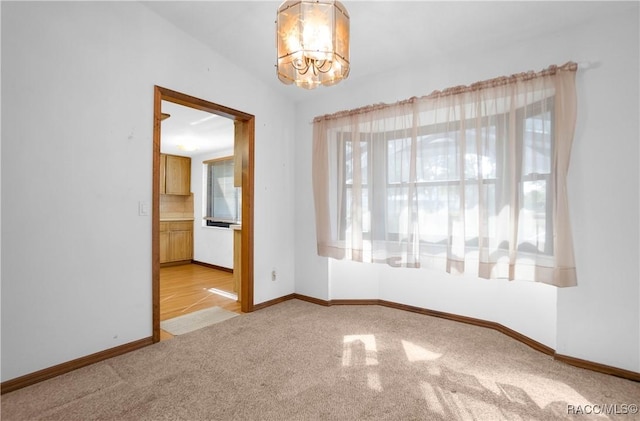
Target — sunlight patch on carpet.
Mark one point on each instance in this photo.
(359, 350)
(417, 353)
(196, 320)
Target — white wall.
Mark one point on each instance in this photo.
(77, 107)
(213, 245)
(600, 319)
(77, 91)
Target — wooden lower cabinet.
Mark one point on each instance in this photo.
(164, 245)
(176, 241)
(180, 245)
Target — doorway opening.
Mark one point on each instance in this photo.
(243, 152)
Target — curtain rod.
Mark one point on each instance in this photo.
(499, 81)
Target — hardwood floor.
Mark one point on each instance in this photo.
(188, 288)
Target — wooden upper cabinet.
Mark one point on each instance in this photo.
(177, 174)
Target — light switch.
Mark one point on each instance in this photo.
(143, 208)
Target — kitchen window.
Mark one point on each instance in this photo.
(223, 200)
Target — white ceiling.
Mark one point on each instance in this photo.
(190, 127)
(405, 33)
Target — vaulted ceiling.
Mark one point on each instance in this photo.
(384, 34)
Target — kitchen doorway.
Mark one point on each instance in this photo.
(243, 152)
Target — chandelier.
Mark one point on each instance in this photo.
(313, 43)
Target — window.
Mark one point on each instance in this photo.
(470, 180)
(451, 168)
(222, 197)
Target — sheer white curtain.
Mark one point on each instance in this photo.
(470, 180)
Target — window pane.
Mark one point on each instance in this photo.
(471, 214)
(356, 155)
(480, 153)
(534, 228)
(223, 200)
(437, 157)
(532, 233)
(537, 144)
(396, 208)
(363, 212)
(350, 164)
(398, 155)
(435, 205)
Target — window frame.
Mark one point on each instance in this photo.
(377, 198)
(210, 218)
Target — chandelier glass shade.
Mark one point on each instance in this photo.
(312, 42)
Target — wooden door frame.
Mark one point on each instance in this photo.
(245, 146)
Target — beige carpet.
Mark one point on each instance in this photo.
(196, 320)
(300, 361)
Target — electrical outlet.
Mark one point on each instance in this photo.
(273, 275)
